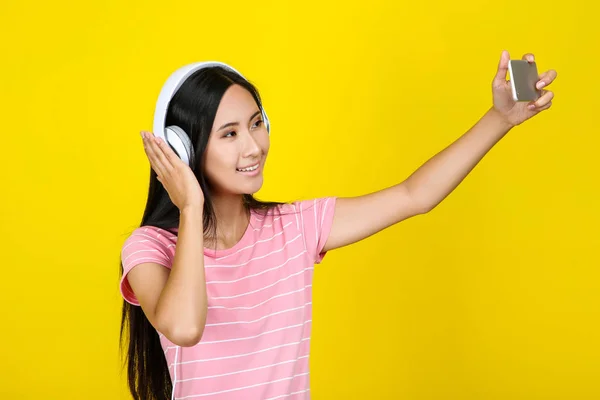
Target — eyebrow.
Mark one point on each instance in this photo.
(237, 123)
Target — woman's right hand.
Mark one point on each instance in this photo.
(177, 177)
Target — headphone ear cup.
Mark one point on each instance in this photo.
(180, 143)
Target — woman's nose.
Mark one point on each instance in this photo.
(251, 147)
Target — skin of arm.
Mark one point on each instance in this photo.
(175, 301)
(357, 218)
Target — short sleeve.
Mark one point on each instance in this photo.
(316, 218)
(145, 244)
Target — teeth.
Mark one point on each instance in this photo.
(248, 169)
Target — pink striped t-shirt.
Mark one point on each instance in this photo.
(257, 335)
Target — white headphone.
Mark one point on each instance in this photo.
(174, 135)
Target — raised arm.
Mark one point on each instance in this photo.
(175, 302)
(360, 217)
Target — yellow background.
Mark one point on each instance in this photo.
(493, 295)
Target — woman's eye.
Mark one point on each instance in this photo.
(258, 123)
(230, 134)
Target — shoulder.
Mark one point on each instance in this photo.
(151, 233)
(148, 237)
(146, 244)
(319, 206)
(315, 218)
(297, 206)
(311, 214)
(294, 207)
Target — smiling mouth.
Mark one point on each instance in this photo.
(249, 169)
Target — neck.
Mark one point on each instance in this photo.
(232, 220)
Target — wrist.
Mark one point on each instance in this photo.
(192, 210)
(499, 119)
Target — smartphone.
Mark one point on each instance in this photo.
(523, 77)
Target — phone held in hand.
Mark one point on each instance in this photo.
(523, 77)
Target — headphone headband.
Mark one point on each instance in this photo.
(171, 86)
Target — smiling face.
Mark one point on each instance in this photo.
(238, 145)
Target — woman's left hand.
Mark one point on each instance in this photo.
(517, 112)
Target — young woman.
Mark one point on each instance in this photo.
(217, 284)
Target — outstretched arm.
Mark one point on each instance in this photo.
(359, 217)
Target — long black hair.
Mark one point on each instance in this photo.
(193, 108)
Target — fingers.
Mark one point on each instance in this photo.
(543, 103)
(546, 79)
(500, 78)
(155, 154)
(172, 159)
(547, 106)
(529, 57)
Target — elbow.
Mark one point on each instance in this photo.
(425, 208)
(420, 206)
(184, 334)
(418, 203)
(187, 338)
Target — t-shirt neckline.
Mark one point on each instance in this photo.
(244, 241)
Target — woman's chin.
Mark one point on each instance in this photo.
(249, 187)
(254, 187)
(246, 185)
